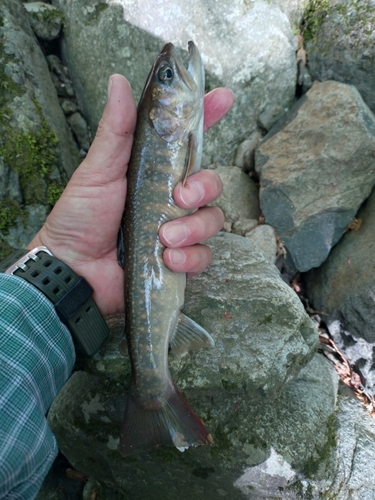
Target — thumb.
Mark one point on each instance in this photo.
(109, 154)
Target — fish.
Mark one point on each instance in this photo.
(167, 148)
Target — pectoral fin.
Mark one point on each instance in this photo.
(189, 336)
(191, 158)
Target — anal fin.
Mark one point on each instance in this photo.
(189, 336)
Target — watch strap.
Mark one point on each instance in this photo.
(70, 294)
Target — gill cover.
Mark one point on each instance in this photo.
(176, 94)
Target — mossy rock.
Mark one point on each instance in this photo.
(37, 151)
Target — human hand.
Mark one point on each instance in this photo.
(82, 228)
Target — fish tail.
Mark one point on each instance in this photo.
(166, 421)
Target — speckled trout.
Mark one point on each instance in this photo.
(167, 149)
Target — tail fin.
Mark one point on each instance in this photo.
(170, 422)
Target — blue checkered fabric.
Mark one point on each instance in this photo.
(36, 358)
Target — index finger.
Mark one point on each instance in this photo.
(217, 103)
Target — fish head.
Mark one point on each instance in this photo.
(173, 94)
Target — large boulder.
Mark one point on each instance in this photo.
(316, 167)
(341, 43)
(249, 389)
(343, 288)
(37, 151)
(249, 47)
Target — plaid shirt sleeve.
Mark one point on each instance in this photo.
(36, 358)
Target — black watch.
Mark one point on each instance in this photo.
(70, 294)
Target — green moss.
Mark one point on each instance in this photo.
(10, 210)
(354, 18)
(266, 320)
(313, 17)
(8, 88)
(54, 191)
(32, 154)
(221, 444)
(301, 492)
(166, 454)
(323, 452)
(49, 15)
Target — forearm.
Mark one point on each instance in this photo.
(36, 358)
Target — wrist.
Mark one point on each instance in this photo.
(70, 294)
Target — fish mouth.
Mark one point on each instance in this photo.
(193, 75)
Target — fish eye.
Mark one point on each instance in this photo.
(165, 74)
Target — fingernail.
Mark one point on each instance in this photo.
(192, 193)
(109, 88)
(175, 233)
(176, 256)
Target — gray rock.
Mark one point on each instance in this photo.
(295, 428)
(268, 479)
(239, 199)
(79, 127)
(60, 77)
(45, 19)
(359, 353)
(294, 9)
(69, 107)
(9, 185)
(234, 387)
(316, 168)
(337, 471)
(304, 79)
(26, 227)
(126, 40)
(353, 454)
(270, 116)
(243, 226)
(344, 288)
(341, 43)
(35, 141)
(246, 152)
(264, 237)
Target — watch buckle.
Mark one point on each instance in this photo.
(21, 263)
